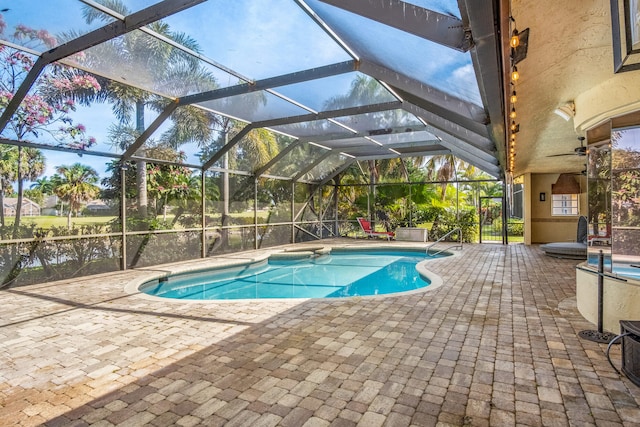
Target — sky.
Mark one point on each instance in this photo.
(259, 39)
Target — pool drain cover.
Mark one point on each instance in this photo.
(601, 337)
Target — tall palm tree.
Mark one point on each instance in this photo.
(365, 90)
(446, 167)
(18, 164)
(8, 172)
(44, 184)
(76, 184)
(30, 165)
(170, 69)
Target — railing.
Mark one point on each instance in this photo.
(456, 245)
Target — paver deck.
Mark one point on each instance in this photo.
(495, 345)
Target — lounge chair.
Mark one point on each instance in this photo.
(570, 250)
(366, 228)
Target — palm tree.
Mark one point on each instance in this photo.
(8, 171)
(44, 184)
(30, 165)
(446, 167)
(171, 69)
(76, 184)
(18, 164)
(366, 90)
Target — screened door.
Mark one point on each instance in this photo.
(491, 220)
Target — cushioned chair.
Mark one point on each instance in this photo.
(571, 250)
(366, 228)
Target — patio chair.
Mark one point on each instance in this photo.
(570, 250)
(366, 228)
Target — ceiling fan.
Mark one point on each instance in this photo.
(578, 151)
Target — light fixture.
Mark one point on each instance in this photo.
(513, 136)
(514, 74)
(513, 98)
(515, 39)
(513, 113)
(566, 111)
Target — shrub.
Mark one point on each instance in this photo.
(447, 221)
(515, 228)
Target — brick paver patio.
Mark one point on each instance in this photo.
(495, 345)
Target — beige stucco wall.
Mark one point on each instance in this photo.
(546, 228)
(613, 97)
(620, 300)
(618, 95)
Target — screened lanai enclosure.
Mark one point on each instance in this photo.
(140, 132)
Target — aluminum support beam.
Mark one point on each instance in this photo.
(439, 28)
(414, 143)
(442, 152)
(463, 151)
(277, 158)
(338, 171)
(228, 146)
(320, 139)
(58, 148)
(109, 31)
(283, 80)
(486, 57)
(385, 106)
(490, 168)
(312, 165)
(166, 113)
(439, 126)
(352, 111)
(447, 105)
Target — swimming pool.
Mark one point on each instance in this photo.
(338, 274)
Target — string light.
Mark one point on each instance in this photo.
(515, 75)
(515, 38)
(514, 42)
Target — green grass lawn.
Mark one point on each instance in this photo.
(488, 236)
(60, 221)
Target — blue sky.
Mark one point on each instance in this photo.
(258, 39)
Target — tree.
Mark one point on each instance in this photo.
(365, 90)
(8, 160)
(173, 183)
(165, 63)
(44, 184)
(76, 184)
(30, 166)
(445, 168)
(44, 111)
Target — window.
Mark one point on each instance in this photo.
(564, 204)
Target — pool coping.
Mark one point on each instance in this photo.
(239, 259)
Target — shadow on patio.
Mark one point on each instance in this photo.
(495, 345)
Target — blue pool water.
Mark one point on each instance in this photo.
(627, 269)
(340, 274)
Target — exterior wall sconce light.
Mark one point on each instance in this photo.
(566, 111)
